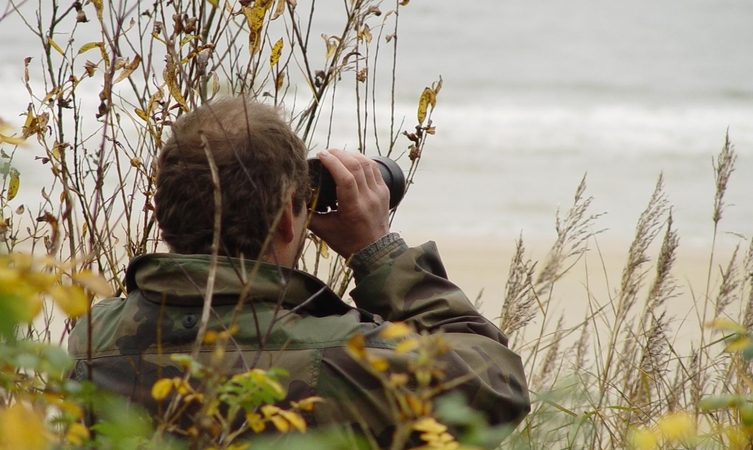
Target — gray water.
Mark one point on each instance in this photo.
(538, 93)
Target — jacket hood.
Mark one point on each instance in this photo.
(177, 279)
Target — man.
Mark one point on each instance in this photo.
(289, 319)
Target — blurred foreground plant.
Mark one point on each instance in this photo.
(40, 407)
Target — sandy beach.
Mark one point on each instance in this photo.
(479, 264)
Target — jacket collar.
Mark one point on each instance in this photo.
(180, 280)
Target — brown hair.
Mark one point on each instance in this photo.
(258, 158)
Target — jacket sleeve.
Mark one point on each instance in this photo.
(410, 285)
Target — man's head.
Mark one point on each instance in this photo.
(261, 165)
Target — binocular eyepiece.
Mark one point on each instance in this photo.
(326, 198)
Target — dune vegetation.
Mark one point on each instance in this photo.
(113, 77)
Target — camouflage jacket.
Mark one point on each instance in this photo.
(132, 338)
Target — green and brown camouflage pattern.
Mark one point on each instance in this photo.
(132, 338)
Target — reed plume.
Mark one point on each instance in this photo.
(520, 296)
(573, 233)
(723, 166)
(728, 285)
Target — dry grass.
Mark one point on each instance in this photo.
(625, 381)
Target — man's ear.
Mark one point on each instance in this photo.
(285, 229)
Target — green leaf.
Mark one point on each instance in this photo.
(746, 414)
(748, 352)
(57, 361)
(721, 402)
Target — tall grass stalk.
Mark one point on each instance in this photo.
(627, 380)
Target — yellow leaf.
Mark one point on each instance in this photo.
(726, 325)
(98, 6)
(254, 41)
(404, 2)
(30, 119)
(22, 428)
(357, 345)
(89, 67)
(215, 84)
(643, 439)
(154, 100)
(282, 425)
(55, 92)
(55, 46)
(737, 437)
(379, 364)
(331, 43)
(395, 330)
(210, 337)
(71, 299)
(214, 3)
(418, 407)
(274, 57)
(255, 16)
(129, 69)
(323, 249)
(279, 9)
(71, 408)
(277, 387)
(213, 408)
(676, 426)
(269, 410)
(24, 309)
(365, 33)
(256, 422)
(181, 386)
(193, 396)
(738, 345)
(238, 446)
(88, 46)
(142, 114)
(295, 420)
(162, 388)
(13, 184)
(172, 84)
(307, 404)
(427, 99)
(429, 425)
(77, 433)
(12, 140)
(93, 282)
(280, 79)
(399, 379)
(406, 346)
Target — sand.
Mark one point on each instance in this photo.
(480, 265)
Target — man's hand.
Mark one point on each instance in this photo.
(363, 199)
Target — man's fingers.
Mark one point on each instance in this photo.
(368, 166)
(363, 203)
(348, 172)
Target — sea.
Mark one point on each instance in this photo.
(536, 95)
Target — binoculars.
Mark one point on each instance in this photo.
(326, 189)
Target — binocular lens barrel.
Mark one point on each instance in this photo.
(322, 181)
